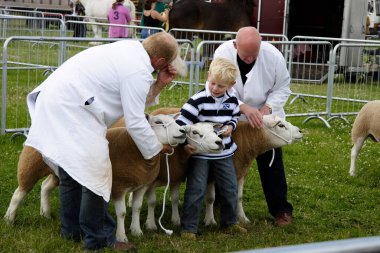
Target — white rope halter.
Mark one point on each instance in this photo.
(282, 138)
(166, 126)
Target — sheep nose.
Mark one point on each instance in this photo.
(220, 144)
(182, 131)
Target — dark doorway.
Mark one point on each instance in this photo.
(318, 18)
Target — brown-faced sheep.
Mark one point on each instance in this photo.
(366, 124)
(129, 169)
(252, 142)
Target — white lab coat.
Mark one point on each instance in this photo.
(70, 133)
(267, 82)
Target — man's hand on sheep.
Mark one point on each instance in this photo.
(189, 149)
(254, 116)
(166, 149)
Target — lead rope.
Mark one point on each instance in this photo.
(167, 231)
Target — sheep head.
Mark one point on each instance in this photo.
(203, 138)
(281, 131)
(166, 129)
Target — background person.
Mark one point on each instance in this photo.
(71, 111)
(119, 15)
(262, 88)
(152, 18)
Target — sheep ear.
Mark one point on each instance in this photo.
(175, 116)
(147, 116)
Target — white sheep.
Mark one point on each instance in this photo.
(204, 139)
(366, 124)
(130, 171)
(251, 142)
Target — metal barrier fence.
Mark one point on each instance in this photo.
(11, 25)
(326, 83)
(27, 61)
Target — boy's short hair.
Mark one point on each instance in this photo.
(223, 70)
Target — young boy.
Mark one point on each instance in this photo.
(212, 104)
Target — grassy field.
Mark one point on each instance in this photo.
(328, 203)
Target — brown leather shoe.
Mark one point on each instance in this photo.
(124, 246)
(283, 219)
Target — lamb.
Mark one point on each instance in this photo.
(32, 168)
(366, 124)
(251, 142)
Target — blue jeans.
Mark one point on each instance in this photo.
(146, 32)
(196, 186)
(84, 214)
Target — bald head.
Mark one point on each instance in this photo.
(161, 45)
(247, 43)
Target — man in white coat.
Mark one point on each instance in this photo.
(70, 113)
(262, 88)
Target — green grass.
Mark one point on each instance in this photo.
(328, 203)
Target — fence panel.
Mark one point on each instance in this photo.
(27, 61)
(352, 84)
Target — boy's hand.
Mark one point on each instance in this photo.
(228, 131)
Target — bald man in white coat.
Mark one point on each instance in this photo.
(262, 88)
(70, 113)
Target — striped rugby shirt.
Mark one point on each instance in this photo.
(202, 107)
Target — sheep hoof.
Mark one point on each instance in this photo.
(176, 222)
(45, 214)
(136, 232)
(8, 219)
(150, 226)
(244, 220)
(211, 222)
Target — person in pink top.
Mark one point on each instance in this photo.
(118, 14)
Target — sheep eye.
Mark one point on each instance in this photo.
(159, 122)
(195, 132)
(281, 125)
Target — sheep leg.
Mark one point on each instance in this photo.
(210, 198)
(130, 199)
(354, 154)
(150, 219)
(48, 185)
(120, 210)
(240, 211)
(137, 200)
(174, 195)
(16, 200)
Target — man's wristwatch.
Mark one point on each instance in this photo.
(270, 108)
